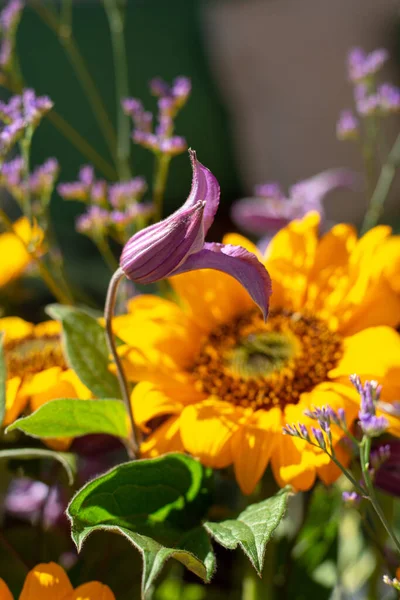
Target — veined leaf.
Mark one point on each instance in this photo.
(67, 459)
(72, 417)
(253, 528)
(86, 349)
(3, 378)
(155, 503)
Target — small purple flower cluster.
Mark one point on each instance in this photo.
(170, 100)
(371, 99)
(19, 113)
(9, 20)
(371, 424)
(40, 183)
(112, 207)
(322, 436)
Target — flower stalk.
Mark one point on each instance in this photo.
(134, 439)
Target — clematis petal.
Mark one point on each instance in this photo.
(262, 215)
(153, 253)
(310, 193)
(237, 262)
(205, 187)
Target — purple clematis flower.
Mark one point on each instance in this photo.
(269, 211)
(176, 244)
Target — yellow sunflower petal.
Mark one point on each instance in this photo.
(207, 429)
(80, 389)
(13, 255)
(252, 446)
(210, 297)
(386, 260)
(149, 401)
(92, 591)
(166, 438)
(47, 328)
(292, 466)
(15, 328)
(46, 582)
(5, 593)
(289, 258)
(15, 400)
(372, 354)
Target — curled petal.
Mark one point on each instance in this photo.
(310, 193)
(204, 187)
(237, 262)
(261, 215)
(153, 253)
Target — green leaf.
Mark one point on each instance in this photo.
(253, 528)
(86, 349)
(72, 417)
(67, 459)
(154, 503)
(3, 378)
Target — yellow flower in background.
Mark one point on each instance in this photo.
(36, 369)
(219, 383)
(14, 257)
(48, 581)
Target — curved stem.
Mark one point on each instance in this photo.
(382, 188)
(123, 384)
(71, 48)
(116, 22)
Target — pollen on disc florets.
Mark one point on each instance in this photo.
(254, 364)
(33, 354)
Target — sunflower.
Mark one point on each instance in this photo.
(48, 581)
(36, 369)
(219, 383)
(14, 257)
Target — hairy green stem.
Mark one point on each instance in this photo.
(134, 439)
(160, 183)
(116, 22)
(382, 188)
(67, 40)
(365, 454)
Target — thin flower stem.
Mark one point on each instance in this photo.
(382, 188)
(368, 151)
(116, 22)
(105, 250)
(25, 146)
(365, 453)
(159, 184)
(71, 48)
(134, 439)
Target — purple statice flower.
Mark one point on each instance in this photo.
(42, 180)
(387, 473)
(98, 193)
(11, 172)
(170, 101)
(28, 500)
(347, 126)
(131, 214)
(27, 108)
(362, 65)
(6, 51)
(291, 430)
(371, 425)
(94, 221)
(10, 134)
(176, 244)
(351, 499)
(319, 437)
(78, 190)
(389, 98)
(10, 16)
(269, 210)
(367, 104)
(125, 193)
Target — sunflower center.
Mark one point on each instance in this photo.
(31, 355)
(255, 364)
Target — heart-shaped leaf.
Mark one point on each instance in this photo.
(253, 528)
(158, 505)
(70, 417)
(86, 349)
